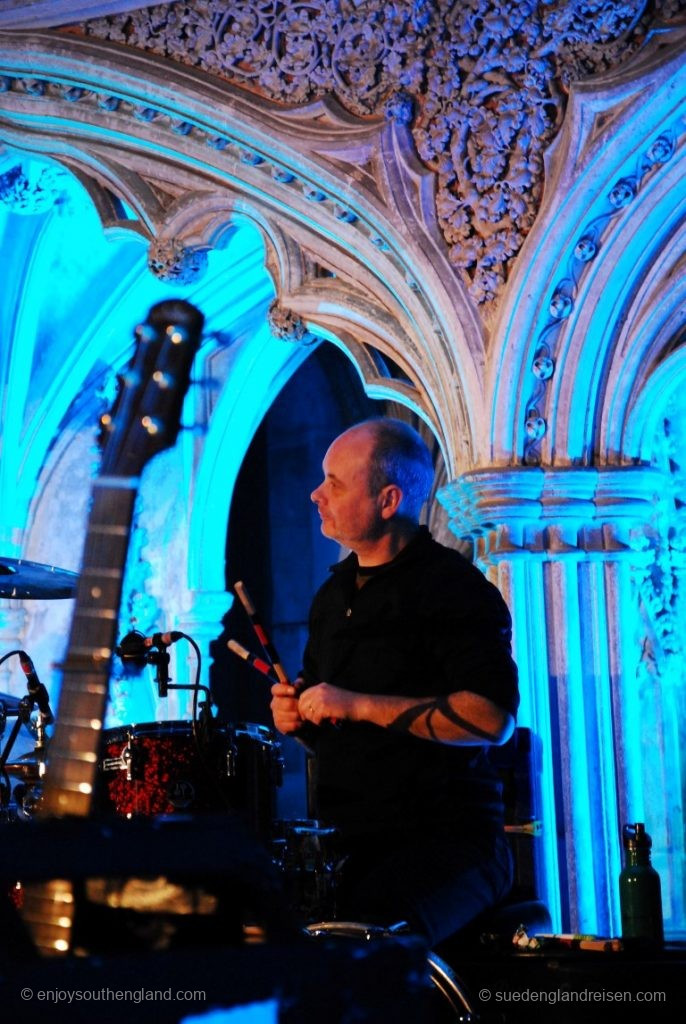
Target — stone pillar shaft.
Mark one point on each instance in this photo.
(566, 548)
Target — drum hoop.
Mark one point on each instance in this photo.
(441, 975)
(184, 727)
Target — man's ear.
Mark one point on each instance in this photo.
(390, 497)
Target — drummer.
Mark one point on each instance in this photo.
(408, 679)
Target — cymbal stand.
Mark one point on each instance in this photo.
(23, 715)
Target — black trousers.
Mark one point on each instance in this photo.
(437, 881)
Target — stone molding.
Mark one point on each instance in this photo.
(594, 307)
(24, 14)
(564, 294)
(527, 511)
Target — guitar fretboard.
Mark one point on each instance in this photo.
(74, 746)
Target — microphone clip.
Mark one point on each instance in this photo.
(137, 650)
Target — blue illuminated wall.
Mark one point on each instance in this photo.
(72, 297)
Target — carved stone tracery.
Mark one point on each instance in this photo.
(489, 79)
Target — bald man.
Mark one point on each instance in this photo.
(407, 679)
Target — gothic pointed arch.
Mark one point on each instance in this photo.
(576, 340)
(184, 151)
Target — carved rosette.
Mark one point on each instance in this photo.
(289, 326)
(561, 305)
(170, 260)
(489, 79)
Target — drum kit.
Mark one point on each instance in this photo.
(202, 766)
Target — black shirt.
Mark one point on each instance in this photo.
(428, 624)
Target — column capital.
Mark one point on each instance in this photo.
(554, 512)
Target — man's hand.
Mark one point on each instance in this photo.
(324, 703)
(284, 705)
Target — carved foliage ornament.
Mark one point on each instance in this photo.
(288, 326)
(661, 585)
(489, 78)
(32, 188)
(170, 260)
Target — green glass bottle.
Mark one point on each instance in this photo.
(640, 897)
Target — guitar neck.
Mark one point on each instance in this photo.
(74, 746)
(144, 421)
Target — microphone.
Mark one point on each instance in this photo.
(162, 639)
(135, 646)
(135, 651)
(37, 692)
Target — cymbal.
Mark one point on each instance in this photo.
(21, 579)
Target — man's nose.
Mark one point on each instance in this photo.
(316, 496)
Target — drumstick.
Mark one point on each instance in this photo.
(261, 633)
(263, 637)
(251, 659)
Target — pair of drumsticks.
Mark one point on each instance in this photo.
(273, 665)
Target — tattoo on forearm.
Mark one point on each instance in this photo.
(406, 719)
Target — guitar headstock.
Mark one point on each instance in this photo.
(145, 417)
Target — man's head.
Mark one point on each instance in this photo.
(399, 456)
(377, 476)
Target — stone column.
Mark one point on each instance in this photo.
(567, 548)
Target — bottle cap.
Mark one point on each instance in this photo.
(635, 837)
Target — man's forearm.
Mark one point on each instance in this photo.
(461, 718)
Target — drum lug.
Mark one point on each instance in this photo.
(127, 760)
(123, 762)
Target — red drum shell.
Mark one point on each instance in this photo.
(171, 768)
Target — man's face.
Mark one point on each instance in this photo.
(348, 512)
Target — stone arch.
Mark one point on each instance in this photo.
(666, 380)
(611, 218)
(188, 148)
(647, 364)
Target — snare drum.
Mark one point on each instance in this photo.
(174, 768)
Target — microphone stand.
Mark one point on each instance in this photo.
(23, 716)
(140, 650)
(160, 659)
